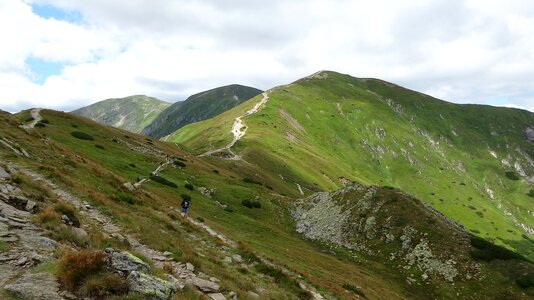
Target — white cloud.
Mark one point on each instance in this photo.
(461, 51)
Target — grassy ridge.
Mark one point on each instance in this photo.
(330, 125)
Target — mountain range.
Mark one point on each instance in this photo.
(330, 187)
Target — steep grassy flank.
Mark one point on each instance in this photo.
(199, 107)
(330, 126)
(131, 113)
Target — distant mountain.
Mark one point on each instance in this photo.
(199, 107)
(132, 113)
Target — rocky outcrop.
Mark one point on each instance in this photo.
(529, 133)
(123, 263)
(388, 223)
(39, 286)
(150, 287)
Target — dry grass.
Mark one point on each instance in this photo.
(48, 218)
(75, 267)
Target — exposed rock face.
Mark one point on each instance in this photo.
(149, 286)
(39, 286)
(124, 262)
(529, 132)
(388, 223)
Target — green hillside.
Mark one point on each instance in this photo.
(199, 107)
(130, 113)
(473, 163)
(71, 167)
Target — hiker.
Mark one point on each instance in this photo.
(185, 206)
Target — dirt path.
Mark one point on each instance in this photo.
(239, 129)
(168, 161)
(36, 115)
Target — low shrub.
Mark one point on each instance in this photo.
(101, 285)
(185, 197)
(16, 179)
(531, 193)
(163, 181)
(40, 125)
(250, 180)
(189, 186)
(82, 135)
(355, 289)
(132, 165)
(44, 121)
(200, 219)
(228, 209)
(100, 147)
(179, 163)
(282, 280)
(125, 198)
(29, 119)
(48, 218)
(74, 125)
(251, 203)
(511, 175)
(74, 267)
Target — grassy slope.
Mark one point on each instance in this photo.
(199, 107)
(131, 113)
(332, 125)
(97, 175)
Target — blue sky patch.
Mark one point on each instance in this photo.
(52, 12)
(42, 69)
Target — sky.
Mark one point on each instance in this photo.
(65, 54)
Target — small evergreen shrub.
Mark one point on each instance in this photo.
(531, 193)
(189, 186)
(74, 125)
(16, 180)
(163, 181)
(125, 198)
(44, 121)
(185, 197)
(200, 219)
(250, 180)
(100, 147)
(512, 175)
(251, 203)
(40, 125)
(179, 163)
(82, 135)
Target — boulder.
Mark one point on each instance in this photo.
(38, 286)
(130, 187)
(149, 286)
(204, 285)
(237, 258)
(3, 173)
(190, 267)
(253, 295)
(31, 207)
(124, 263)
(178, 284)
(217, 296)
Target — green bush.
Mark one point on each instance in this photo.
(74, 125)
(189, 186)
(200, 219)
(44, 121)
(179, 163)
(185, 197)
(282, 280)
(82, 135)
(29, 119)
(163, 181)
(125, 198)
(40, 125)
(100, 147)
(16, 180)
(251, 203)
(228, 209)
(531, 193)
(512, 175)
(250, 180)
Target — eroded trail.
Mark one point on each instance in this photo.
(239, 129)
(36, 115)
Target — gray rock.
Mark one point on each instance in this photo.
(190, 267)
(8, 237)
(149, 286)
(217, 296)
(253, 295)
(129, 186)
(227, 260)
(205, 285)
(178, 284)
(80, 233)
(124, 262)
(3, 173)
(237, 258)
(39, 286)
(529, 132)
(232, 295)
(31, 207)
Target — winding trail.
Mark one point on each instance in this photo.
(36, 115)
(161, 167)
(239, 129)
